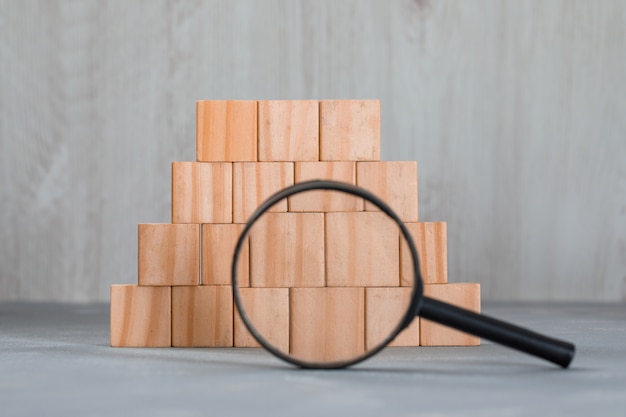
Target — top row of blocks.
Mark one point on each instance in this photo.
(287, 130)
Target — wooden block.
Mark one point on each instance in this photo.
(385, 308)
(169, 254)
(394, 182)
(432, 249)
(253, 183)
(140, 316)
(327, 324)
(226, 130)
(350, 130)
(325, 201)
(362, 250)
(268, 311)
(287, 250)
(202, 192)
(464, 295)
(202, 316)
(218, 247)
(288, 130)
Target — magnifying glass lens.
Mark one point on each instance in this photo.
(326, 283)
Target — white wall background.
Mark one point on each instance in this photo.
(514, 110)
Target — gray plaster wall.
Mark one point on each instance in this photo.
(514, 110)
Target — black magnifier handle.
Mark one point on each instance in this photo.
(557, 351)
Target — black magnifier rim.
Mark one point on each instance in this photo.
(417, 295)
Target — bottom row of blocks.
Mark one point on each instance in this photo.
(203, 316)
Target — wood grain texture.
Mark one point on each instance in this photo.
(325, 201)
(350, 130)
(289, 130)
(432, 250)
(393, 181)
(268, 311)
(202, 192)
(362, 250)
(513, 109)
(140, 316)
(464, 295)
(169, 254)
(327, 324)
(202, 316)
(226, 130)
(254, 182)
(287, 250)
(385, 308)
(218, 247)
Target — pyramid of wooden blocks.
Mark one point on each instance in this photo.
(319, 254)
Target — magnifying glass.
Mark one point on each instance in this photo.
(320, 286)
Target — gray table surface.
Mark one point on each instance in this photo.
(55, 359)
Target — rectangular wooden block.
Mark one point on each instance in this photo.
(202, 316)
(327, 324)
(268, 311)
(350, 130)
(385, 308)
(288, 130)
(218, 246)
(362, 250)
(202, 192)
(395, 182)
(253, 183)
(287, 250)
(464, 295)
(140, 316)
(432, 249)
(226, 130)
(325, 201)
(169, 254)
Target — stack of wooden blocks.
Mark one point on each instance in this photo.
(246, 151)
